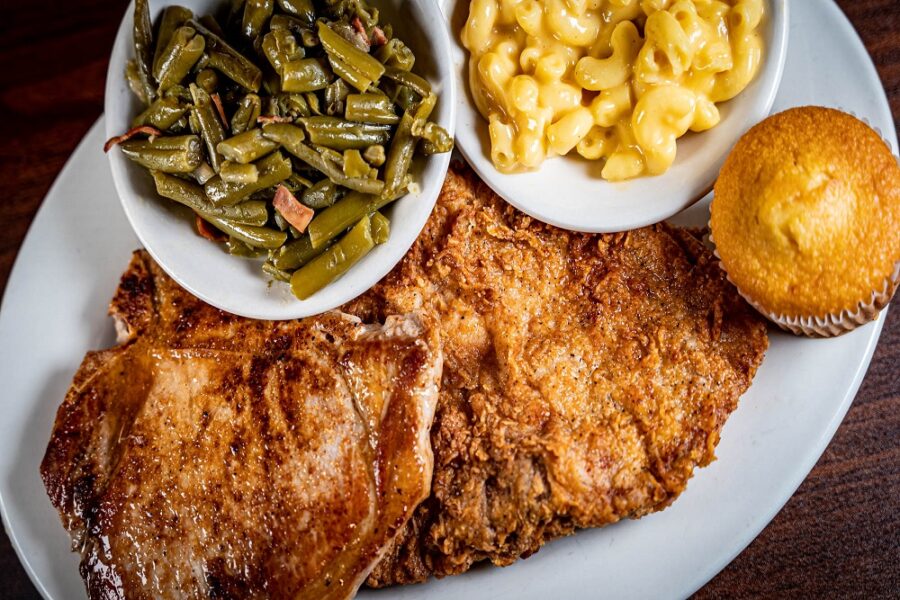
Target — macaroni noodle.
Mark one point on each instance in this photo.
(613, 80)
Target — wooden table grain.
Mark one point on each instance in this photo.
(838, 536)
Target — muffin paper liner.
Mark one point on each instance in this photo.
(831, 324)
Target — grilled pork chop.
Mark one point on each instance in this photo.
(210, 456)
(585, 376)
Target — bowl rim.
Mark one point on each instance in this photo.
(362, 276)
(469, 145)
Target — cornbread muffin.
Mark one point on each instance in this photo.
(806, 220)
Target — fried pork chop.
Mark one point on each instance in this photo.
(210, 456)
(585, 376)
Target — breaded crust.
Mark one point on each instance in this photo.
(585, 376)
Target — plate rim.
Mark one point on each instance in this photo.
(704, 575)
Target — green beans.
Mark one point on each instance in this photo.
(295, 254)
(211, 129)
(381, 228)
(229, 61)
(232, 172)
(349, 62)
(291, 139)
(303, 9)
(400, 155)
(396, 54)
(276, 273)
(370, 108)
(280, 47)
(172, 18)
(334, 262)
(256, 15)
(208, 80)
(143, 48)
(246, 114)
(435, 139)
(246, 147)
(258, 237)
(331, 222)
(162, 114)
(273, 169)
(179, 154)
(342, 135)
(354, 165)
(320, 195)
(284, 130)
(409, 79)
(253, 212)
(306, 75)
(175, 62)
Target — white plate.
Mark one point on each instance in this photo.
(239, 286)
(80, 242)
(569, 192)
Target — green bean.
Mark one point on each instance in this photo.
(236, 247)
(208, 80)
(162, 114)
(280, 47)
(312, 100)
(180, 93)
(405, 97)
(232, 172)
(256, 14)
(246, 114)
(351, 64)
(381, 227)
(295, 254)
(425, 107)
(210, 128)
(305, 75)
(370, 108)
(334, 262)
(179, 154)
(435, 138)
(399, 156)
(203, 173)
(396, 54)
(303, 9)
(276, 273)
(321, 195)
(335, 95)
(329, 223)
(354, 165)
(246, 147)
(258, 237)
(410, 80)
(295, 25)
(291, 139)
(374, 155)
(229, 61)
(172, 18)
(342, 135)
(179, 57)
(143, 47)
(252, 212)
(133, 77)
(273, 169)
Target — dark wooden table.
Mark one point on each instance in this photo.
(839, 536)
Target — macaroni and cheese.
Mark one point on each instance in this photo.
(614, 80)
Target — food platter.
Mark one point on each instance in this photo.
(80, 242)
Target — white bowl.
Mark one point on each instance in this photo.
(568, 192)
(238, 285)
